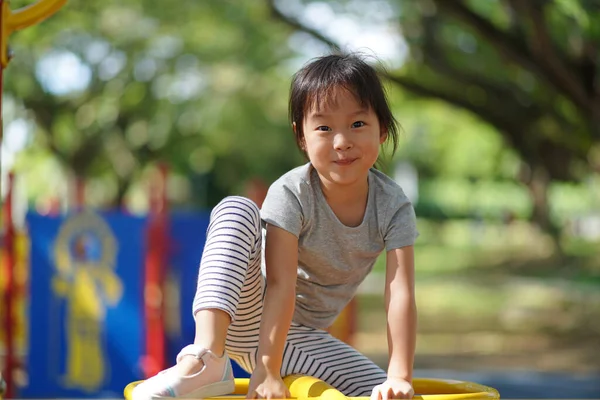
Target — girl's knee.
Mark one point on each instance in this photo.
(242, 209)
(241, 202)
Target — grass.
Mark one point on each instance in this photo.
(497, 292)
(459, 248)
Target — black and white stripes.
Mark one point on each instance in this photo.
(230, 279)
(231, 252)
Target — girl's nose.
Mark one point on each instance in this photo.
(342, 142)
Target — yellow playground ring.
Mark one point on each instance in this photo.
(307, 387)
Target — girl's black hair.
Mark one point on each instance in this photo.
(317, 81)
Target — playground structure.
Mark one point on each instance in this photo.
(308, 387)
(301, 387)
(167, 261)
(11, 21)
(22, 18)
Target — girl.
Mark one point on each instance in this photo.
(326, 222)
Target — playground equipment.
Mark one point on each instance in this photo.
(11, 21)
(2, 386)
(301, 387)
(22, 18)
(308, 387)
(156, 269)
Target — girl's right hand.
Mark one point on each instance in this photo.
(264, 385)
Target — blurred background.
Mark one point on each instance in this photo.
(126, 121)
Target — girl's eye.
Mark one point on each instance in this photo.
(323, 128)
(358, 124)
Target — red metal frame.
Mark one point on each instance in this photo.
(9, 293)
(1, 87)
(156, 256)
(9, 247)
(79, 193)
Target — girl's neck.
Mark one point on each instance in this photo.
(344, 194)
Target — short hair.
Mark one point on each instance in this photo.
(316, 82)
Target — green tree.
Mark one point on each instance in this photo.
(529, 68)
(116, 86)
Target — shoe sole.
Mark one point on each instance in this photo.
(212, 390)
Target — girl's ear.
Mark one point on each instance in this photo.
(383, 136)
(300, 139)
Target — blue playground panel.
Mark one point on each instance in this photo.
(87, 299)
(86, 328)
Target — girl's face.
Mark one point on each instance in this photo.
(342, 139)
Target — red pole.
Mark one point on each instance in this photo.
(6, 322)
(9, 320)
(1, 90)
(155, 269)
(1, 70)
(9, 238)
(79, 193)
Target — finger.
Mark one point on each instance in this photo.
(407, 394)
(386, 393)
(372, 397)
(375, 393)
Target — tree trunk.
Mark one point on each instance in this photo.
(538, 183)
(123, 187)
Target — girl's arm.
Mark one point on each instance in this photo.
(281, 258)
(401, 312)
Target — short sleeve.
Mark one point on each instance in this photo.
(402, 228)
(282, 207)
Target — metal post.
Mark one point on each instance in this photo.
(9, 267)
(2, 38)
(8, 245)
(154, 360)
(9, 22)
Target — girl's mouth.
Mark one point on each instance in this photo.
(345, 161)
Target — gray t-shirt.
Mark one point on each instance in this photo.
(333, 259)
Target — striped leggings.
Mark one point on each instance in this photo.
(230, 279)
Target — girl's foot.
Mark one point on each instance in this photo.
(204, 375)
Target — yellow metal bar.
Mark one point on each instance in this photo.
(4, 32)
(34, 14)
(306, 387)
(22, 18)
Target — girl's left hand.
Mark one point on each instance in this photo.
(393, 388)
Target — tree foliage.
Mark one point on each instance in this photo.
(529, 68)
(115, 86)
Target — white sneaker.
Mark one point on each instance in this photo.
(214, 379)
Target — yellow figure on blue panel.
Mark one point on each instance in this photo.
(85, 253)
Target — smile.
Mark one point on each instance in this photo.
(346, 161)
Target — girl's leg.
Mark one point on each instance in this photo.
(242, 336)
(230, 261)
(315, 352)
(238, 310)
(229, 280)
